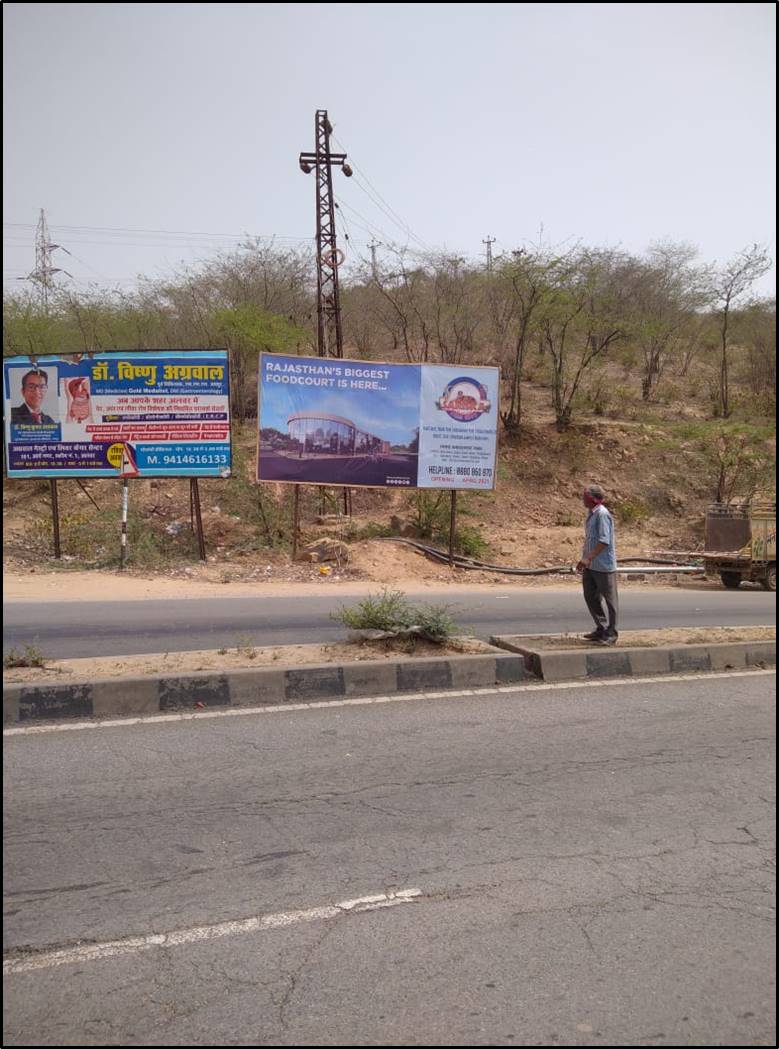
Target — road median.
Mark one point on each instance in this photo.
(555, 657)
(508, 660)
(257, 686)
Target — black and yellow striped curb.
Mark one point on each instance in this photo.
(263, 686)
(573, 664)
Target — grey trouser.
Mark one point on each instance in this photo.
(600, 588)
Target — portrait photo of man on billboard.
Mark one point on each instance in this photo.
(34, 393)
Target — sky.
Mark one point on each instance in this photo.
(158, 134)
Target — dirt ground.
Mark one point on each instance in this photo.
(653, 638)
(242, 657)
(533, 519)
(381, 564)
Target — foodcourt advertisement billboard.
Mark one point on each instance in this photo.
(136, 414)
(361, 423)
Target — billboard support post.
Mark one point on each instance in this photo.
(295, 520)
(452, 526)
(125, 504)
(55, 518)
(194, 503)
(86, 492)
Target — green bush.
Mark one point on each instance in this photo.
(628, 512)
(30, 656)
(435, 622)
(469, 541)
(373, 530)
(598, 396)
(243, 497)
(95, 537)
(390, 612)
(429, 512)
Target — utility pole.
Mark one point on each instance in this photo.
(44, 270)
(374, 267)
(328, 255)
(489, 242)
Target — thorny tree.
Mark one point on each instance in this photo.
(729, 284)
(584, 318)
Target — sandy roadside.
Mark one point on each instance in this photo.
(114, 586)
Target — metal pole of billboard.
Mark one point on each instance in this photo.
(55, 517)
(452, 526)
(295, 520)
(125, 504)
(194, 499)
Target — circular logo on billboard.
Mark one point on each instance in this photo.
(114, 455)
(464, 399)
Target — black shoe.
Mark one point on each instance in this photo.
(595, 635)
(607, 639)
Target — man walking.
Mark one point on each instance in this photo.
(599, 568)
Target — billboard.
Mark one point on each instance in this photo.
(136, 414)
(361, 423)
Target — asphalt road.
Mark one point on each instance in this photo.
(592, 866)
(98, 628)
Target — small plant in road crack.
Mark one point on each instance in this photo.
(245, 647)
(30, 656)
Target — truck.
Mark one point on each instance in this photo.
(740, 543)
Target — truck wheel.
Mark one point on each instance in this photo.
(768, 581)
(730, 580)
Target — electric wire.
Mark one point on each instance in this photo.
(378, 200)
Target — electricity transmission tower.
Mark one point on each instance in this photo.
(489, 242)
(328, 255)
(43, 274)
(374, 265)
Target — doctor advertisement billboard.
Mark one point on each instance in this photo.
(142, 414)
(360, 423)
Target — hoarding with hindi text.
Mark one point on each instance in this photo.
(135, 414)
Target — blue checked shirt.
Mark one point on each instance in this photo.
(599, 528)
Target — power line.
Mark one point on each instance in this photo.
(409, 233)
(372, 229)
(182, 244)
(383, 205)
(163, 232)
(366, 225)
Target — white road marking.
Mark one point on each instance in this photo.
(362, 701)
(25, 962)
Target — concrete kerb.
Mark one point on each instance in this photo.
(261, 686)
(273, 686)
(572, 664)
